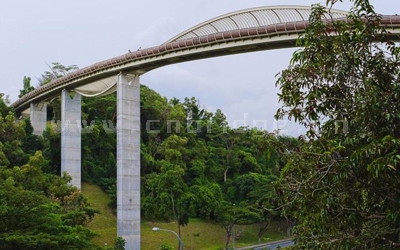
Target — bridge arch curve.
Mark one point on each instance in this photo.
(251, 18)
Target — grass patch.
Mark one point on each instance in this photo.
(105, 223)
(201, 235)
(197, 235)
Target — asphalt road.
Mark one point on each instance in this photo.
(272, 245)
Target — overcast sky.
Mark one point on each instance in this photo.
(33, 33)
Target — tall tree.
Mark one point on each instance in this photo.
(27, 87)
(11, 135)
(57, 70)
(230, 214)
(39, 211)
(341, 185)
(167, 194)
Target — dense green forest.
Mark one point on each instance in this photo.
(38, 210)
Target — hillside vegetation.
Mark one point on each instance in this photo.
(194, 167)
(197, 234)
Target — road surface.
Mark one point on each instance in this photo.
(271, 245)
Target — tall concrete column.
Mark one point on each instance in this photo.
(38, 117)
(71, 127)
(128, 160)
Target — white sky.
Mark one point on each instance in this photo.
(33, 33)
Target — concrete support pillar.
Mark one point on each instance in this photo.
(128, 160)
(71, 127)
(38, 117)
